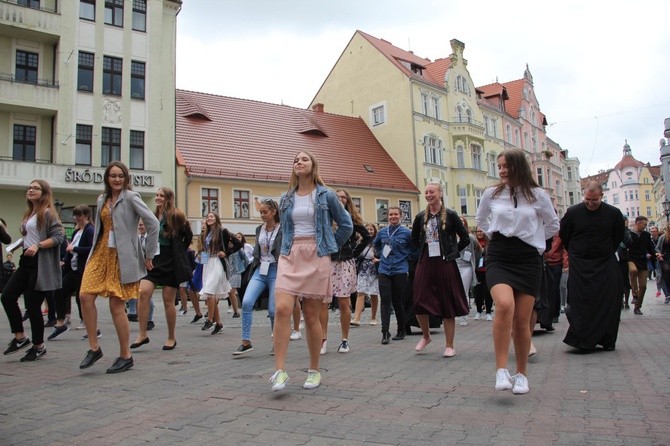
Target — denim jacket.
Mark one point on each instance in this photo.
(327, 210)
(399, 239)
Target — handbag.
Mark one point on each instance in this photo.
(361, 259)
(196, 281)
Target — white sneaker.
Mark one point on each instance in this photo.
(478, 316)
(503, 380)
(278, 380)
(463, 321)
(313, 379)
(324, 347)
(520, 384)
(489, 317)
(295, 335)
(344, 347)
(230, 310)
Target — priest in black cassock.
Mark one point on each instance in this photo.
(591, 232)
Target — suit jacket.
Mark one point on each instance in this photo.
(126, 214)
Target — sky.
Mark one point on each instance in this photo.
(601, 69)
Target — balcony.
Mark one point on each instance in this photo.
(464, 125)
(40, 25)
(40, 97)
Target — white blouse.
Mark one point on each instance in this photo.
(533, 223)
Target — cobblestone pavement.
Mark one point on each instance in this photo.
(374, 395)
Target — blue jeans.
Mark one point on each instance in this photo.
(256, 286)
(132, 308)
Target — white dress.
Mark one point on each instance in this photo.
(214, 281)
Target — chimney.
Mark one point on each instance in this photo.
(318, 107)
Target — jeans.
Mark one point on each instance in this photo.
(257, 285)
(23, 282)
(132, 308)
(392, 291)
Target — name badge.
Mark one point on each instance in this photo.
(111, 243)
(616, 254)
(204, 258)
(265, 267)
(386, 250)
(434, 249)
(467, 255)
(481, 262)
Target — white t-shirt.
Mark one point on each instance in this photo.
(265, 241)
(32, 234)
(75, 243)
(303, 215)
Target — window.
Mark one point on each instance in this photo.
(648, 211)
(525, 141)
(487, 125)
(140, 15)
(210, 201)
(492, 165)
(613, 183)
(476, 157)
(406, 208)
(25, 138)
(111, 145)
(463, 199)
(433, 150)
(378, 115)
(540, 178)
(478, 197)
(241, 203)
(112, 68)
(382, 207)
(460, 157)
(557, 191)
(516, 138)
(114, 12)
(35, 4)
(462, 85)
(636, 196)
(87, 9)
(436, 106)
(137, 80)
(646, 195)
(136, 150)
(570, 174)
(84, 145)
(625, 194)
(424, 103)
(508, 133)
(494, 127)
(357, 202)
(26, 67)
(85, 75)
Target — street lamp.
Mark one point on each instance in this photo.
(666, 210)
(59, 206)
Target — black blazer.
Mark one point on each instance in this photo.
(450, 249)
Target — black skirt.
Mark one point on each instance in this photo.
(513, 262)
(163, 272)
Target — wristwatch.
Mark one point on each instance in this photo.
(39, 245)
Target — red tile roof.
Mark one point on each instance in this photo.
(515, 93)
(600, 177)
(250, 140)
(628, 161)
(438, 70)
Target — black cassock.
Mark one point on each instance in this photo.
(595, 284)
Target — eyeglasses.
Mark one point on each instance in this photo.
(115, 176)
(33, 188)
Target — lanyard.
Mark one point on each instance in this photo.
(268, 240)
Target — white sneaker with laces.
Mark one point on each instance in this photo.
(313, 379)
(520, 384)
(503, 380)
(478, 316)
(489, 317)
(295, 335)
(344, 347)
(278, 380)
(324, 347)
(463, 321)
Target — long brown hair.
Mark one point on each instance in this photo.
(315, 177)
(126, 179)
(518, 174)
(351, 208)
(216, 233)
(175, 219)
(43, 206)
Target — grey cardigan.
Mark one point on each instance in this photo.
(126, 214)
(49, 275)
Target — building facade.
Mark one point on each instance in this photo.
(83, 83)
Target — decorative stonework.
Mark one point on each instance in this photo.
(111, 111)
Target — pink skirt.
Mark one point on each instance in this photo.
(303, 274)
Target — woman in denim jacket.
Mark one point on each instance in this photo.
(307, 212)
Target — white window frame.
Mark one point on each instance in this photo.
(378, 114)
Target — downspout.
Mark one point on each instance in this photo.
(416, 161)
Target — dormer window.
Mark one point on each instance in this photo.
(416, 69)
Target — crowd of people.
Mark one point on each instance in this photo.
(313, 250)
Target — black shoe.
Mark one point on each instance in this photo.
(196, 318)
(170, 347)
(151, 325)
(120, 365)
(386, 337)
(608, 348)
(90, 358)
(235, 315)
(242, 349)
(140, 344)
(399, 337)
(208, 325)
(217, 329)
(57, 332)
(25, 316)
(132, 317)
(16, 345)
(34, 353)
(50, 323)
(98, 334)
(626, 306)
(637, 311)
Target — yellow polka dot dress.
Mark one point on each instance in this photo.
(102, 276)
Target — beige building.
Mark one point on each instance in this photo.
(83, 83)
(435, 123)
(232, 153)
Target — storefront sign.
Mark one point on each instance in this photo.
(96, 177)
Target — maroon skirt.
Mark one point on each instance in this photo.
(438, 289)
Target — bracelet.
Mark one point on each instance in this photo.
(39, 245)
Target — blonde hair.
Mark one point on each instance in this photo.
(443, 209)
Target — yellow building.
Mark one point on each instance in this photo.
(232, 153)
(83, 83)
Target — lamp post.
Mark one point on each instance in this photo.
(665, 168)
(59, 206)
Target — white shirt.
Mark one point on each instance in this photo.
(533, 223)
(75, 242)
(32, 236)
(303, 215)
(265, 241)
